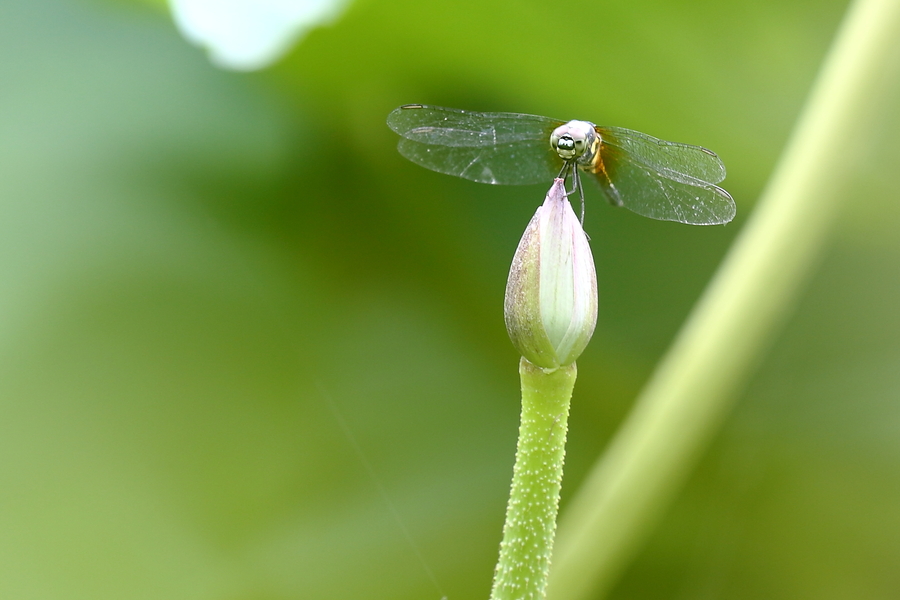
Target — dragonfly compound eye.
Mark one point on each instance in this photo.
(564, 146)
(569, 140)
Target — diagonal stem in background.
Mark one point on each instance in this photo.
(694, 386)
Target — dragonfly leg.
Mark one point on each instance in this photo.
(564, 175)
(564, 172)
(577, 186)
(577, 179)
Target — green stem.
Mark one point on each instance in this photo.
(524, 563)
(691, 391)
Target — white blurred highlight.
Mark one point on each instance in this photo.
(247, 35)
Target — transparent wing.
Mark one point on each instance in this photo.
(439, 126)
(513, 163)
(498, 148)
(659, 192)
(680, 162)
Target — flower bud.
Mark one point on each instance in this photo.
(551, 294)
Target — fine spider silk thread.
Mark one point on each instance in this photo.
(373, 477)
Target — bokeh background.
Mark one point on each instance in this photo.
(226, 302)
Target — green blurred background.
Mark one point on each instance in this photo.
(202, 272)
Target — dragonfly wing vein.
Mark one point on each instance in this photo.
(651, 193)
(450, 127)
(688, 164)
(518, 163)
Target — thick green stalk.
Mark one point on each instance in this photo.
(524, 563)
(694, 385)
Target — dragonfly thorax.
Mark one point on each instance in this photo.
(574, 140)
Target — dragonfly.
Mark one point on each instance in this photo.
(661, 180)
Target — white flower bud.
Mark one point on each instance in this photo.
(551, 294)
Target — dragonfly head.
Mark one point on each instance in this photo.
(573, 139)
